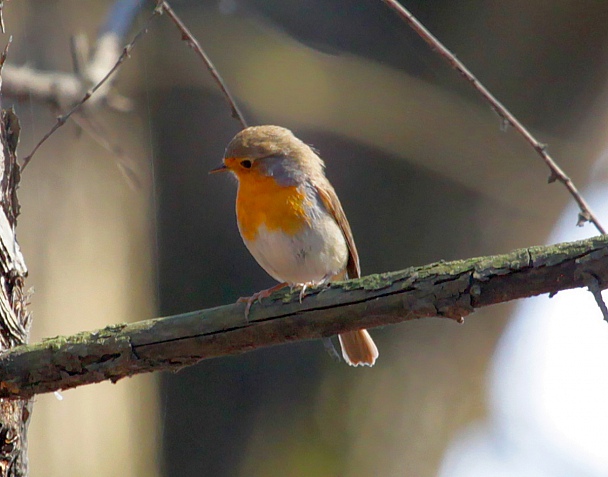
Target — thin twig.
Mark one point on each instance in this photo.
(593, 284)
(98, 134)
(557, 174)
(61, 120)
(194, 44)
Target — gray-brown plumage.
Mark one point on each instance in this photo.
(291, 219)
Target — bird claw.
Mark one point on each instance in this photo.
(308, 284)
(303, 287)
(250, 300)
(303, 291)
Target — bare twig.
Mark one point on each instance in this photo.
(61, 120)
(557, 174)
(63, 90)
(593, 284)
(445, 289)
(97, 132)
(194, 44)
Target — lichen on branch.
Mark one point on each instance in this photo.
(443, 289)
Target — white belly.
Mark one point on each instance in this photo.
(315, 253)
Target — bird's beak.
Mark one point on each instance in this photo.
(221, 168)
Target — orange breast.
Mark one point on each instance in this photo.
(261, 201)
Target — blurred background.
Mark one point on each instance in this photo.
(424, 172)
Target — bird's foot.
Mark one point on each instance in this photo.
(303, 287)
(250, 300)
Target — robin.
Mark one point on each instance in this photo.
(291, 220)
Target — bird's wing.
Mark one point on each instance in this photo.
(332, 204)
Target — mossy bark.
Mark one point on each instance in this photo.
(444, 289)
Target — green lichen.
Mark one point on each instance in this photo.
(115, 328)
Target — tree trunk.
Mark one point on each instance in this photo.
(14, 317)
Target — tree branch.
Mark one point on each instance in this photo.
(443, 289)
(193, 43)
(64, 90)
(556, 172)
(96, 68)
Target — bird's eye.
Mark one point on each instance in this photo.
(246, 164)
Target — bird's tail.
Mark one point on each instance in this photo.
(358, 348)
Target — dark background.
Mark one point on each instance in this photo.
(422, 168)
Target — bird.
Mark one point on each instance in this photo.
(291, 220)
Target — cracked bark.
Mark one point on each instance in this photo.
(14, 317)
(444, 289)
